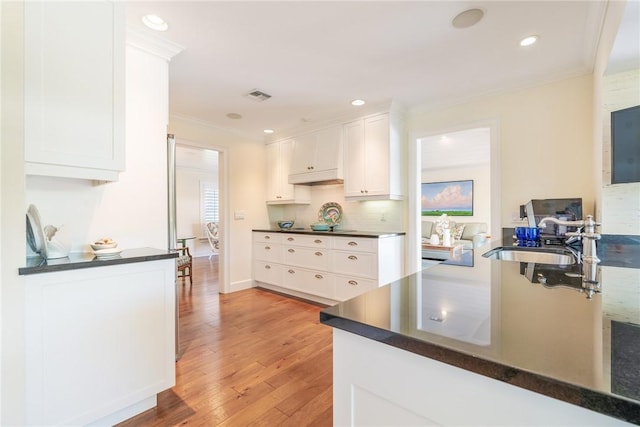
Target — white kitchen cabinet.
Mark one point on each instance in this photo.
(415, 390)
(372, 159)
(99, 342)
(279, 191)
(325, 268)
(75, 89)
(317, 156)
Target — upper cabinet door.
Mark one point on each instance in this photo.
(354, 155)
(317, 156)
(74, 89)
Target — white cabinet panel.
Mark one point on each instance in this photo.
(279, 191)
(267, 251)
(268, 272)
(348, 287)
(372, 160)
(309, 281)
(306, 257)
(355, 244)
(307, 240)
(359, 264)
(267, 237)
(75, 89)
(317, 156)
(98, 340)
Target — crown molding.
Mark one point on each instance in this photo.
(153, 44)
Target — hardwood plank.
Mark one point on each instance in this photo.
(253, 357)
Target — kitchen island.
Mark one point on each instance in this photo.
(100, 336)
(493, 342)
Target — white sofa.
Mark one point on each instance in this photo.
(474, 234)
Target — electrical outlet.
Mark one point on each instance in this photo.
(238, 215)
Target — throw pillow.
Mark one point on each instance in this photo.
(456, 232)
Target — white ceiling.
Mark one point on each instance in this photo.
(315, 57)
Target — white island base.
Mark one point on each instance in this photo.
(379, 385)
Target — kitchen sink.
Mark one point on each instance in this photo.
(535, 255)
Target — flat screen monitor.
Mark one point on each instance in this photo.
(625, 145)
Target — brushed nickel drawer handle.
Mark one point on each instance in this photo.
(267, 237)
(291, 272)
(317, 241)
(353, 257)
(352, 243)
(319, 254)
(267, 247)
(268, 267)
(319, 276)
(291, 250)
(291, 239)
(353, 283)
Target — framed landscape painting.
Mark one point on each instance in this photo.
(454, 198)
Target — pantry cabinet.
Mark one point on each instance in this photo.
(279, 191)
(323, 267)
(75, 89)
(372, 159)
(317, 156)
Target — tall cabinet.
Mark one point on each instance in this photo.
(75, 89)
(279, 191)
(372, 158)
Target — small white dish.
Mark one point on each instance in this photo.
(101, 246)
(107, 253)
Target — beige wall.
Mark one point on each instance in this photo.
(245, 160)
(545, 136)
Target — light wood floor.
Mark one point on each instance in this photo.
(248, 358)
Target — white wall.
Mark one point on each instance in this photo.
(545, 133)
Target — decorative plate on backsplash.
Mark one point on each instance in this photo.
(330, 213)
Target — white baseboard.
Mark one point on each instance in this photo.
(242, 285)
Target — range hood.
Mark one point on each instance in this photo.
(324, 177)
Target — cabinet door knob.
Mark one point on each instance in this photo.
(291, 272)
(319, 253)
(353, 257)
(352, 243)
(319, 276)
(353, 283)
(361, 191)
(267, 267)
(292, 250)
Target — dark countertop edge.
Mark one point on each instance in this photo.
(606, 404)
(128, 256)
(354, 233)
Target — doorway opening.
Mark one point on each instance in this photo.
(468, 155)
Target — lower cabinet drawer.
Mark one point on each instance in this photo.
(349, 287)
(267, 252)
(312, 282)
(312, 258)
(361, 264)
(267, 272)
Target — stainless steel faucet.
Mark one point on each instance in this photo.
(586, 231)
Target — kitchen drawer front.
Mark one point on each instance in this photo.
(300, 256)
(267, 237)
(267, 252)
(321, 242)
(312, 282)
(350, 287)
(360, 264)
(355, 244)
(268, 272)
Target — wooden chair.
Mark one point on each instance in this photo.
(184, 264)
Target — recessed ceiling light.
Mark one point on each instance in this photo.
(528, 41)
(468, 18)
(155, 22)
(268, 131)
(234, 116)
(357, 102)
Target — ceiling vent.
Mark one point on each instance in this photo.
(257, 95)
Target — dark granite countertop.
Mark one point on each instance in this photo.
(74, 261)
(496, 319)
(338, 232)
